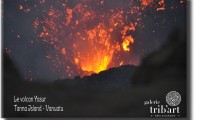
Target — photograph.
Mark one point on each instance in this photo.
(95, 59)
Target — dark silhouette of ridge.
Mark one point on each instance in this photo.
(117, 77)
(167, 63)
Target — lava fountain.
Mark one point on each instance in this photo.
(89, 36)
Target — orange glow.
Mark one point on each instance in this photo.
(182, 1)
(126, 42)
(160, 9)
(89, 37)
(97, 63)
(162, 4)
(20, 7)
(95, 54)
(69, 16)
(63, 51)
(76, 60)
(146, 2)
(121, 63)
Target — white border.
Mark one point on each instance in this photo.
(195, 60)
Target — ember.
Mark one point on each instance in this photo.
(89, 36)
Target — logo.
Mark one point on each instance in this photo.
(170, 107)
(173, 98)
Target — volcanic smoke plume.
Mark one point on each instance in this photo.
(88, 36)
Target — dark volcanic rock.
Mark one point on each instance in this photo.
(167, 63)
(114, 78)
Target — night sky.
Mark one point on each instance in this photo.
(29, 53)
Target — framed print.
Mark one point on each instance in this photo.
(95, 59)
